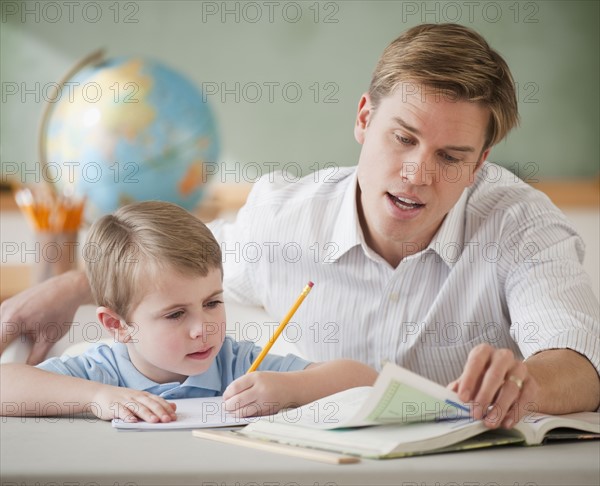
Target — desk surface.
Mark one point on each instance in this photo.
(80, 450)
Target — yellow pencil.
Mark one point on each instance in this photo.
(280, 328)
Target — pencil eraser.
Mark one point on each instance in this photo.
(310, 284)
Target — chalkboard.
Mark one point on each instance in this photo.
(284, 78)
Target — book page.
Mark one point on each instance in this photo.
(398, 396)
(391, 440)
(192, 413)
(337, 410)
(535, 427)
(401, 396)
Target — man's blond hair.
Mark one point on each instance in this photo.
(456, 62)
(126, 250)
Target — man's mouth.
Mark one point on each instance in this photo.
(405, 203)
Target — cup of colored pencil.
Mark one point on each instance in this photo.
(56, 220)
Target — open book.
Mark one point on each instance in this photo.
(404, 414)
(192, 413)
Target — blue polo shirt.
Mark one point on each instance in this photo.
(111, 365)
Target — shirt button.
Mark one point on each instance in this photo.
(394, 297)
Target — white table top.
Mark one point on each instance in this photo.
(87, 450)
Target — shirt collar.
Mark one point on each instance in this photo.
(448, 242)
(347, 232)
(132, 378)
(209, 380)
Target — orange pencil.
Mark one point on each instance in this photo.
(280, 328)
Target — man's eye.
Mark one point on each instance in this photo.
(175, 315)
(449, 158)
(213, 303)
(403, 140)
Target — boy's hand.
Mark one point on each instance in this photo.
(131, 405)
(259, 393)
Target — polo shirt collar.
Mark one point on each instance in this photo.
(132, 378)
(209, 380)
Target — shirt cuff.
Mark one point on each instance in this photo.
(577, 340)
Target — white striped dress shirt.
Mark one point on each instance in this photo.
(503, 268)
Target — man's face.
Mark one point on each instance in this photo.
(420, 150)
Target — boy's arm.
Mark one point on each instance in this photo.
(29, 391)
(266, 392)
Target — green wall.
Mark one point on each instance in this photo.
(329, 52)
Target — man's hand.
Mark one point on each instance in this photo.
(131, 405)
(499, 387)
(504, 390)
(41, 311)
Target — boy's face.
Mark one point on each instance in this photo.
(420, 150)
(179, 326)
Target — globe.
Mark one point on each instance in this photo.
(131, 129)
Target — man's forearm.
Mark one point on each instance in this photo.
(327, 378)
(567, 382)
(83, 286)
(37, 310)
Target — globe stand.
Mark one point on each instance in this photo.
(95, 57)
(57, 236)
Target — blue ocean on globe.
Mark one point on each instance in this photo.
(132, 129)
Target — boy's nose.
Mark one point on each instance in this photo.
(197, 330)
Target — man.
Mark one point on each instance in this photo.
(424, 254)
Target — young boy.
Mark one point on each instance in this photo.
(156, 276)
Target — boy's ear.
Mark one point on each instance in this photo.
(114, 324)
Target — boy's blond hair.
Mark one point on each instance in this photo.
(126, 250)
(457, 63)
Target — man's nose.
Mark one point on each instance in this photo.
(419, 171)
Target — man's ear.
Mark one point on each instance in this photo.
(114, 324)
(363, 117)
(483, 158)
(479, 165)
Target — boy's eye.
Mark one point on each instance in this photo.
(175, 315)
(213, 303)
